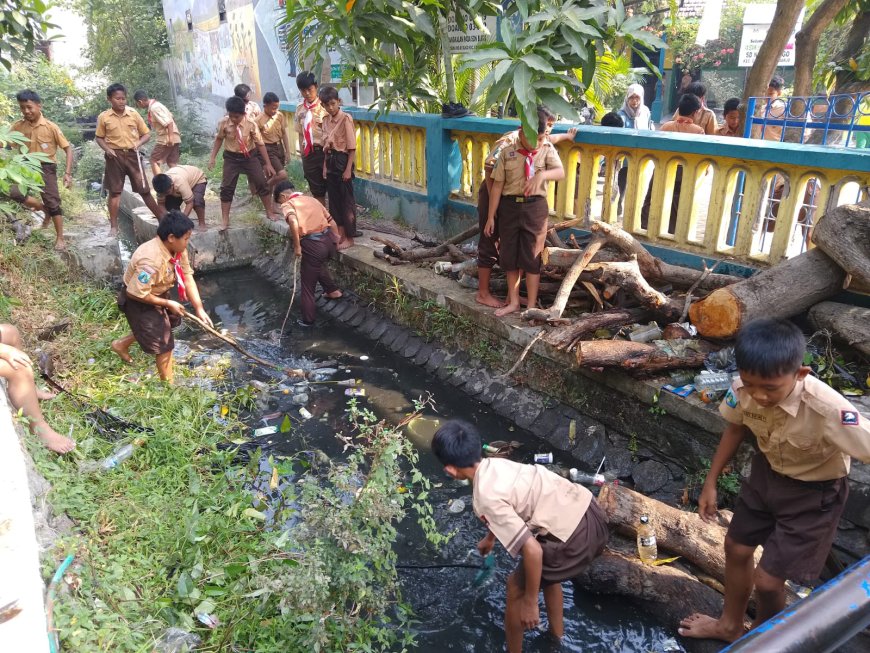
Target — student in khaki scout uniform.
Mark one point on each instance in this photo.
(120, 133)
(519, 194)
(160, 119)
(339, 144)
(705, 119)
(240, 137)
(154, 268)
(731, 119)
(487, 246)
(182, 184)
(45, 138)
(273, 127)
(805, 433)
(309, 127)
(252, 109)
(315, 235)
(555, 524)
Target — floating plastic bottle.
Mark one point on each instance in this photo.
(647, 549)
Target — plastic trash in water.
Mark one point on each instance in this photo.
(363, 357)
(176, 640)
(305, 413)
(486, 571)
(456, 506)
(265, 430)
(301, 399)
(355, 392)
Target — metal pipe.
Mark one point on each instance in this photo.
(821, 622)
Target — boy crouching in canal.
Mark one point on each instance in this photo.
(315, 235)
(154, 268)
(805, 433)
(555, 524)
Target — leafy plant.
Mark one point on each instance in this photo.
(21, 29)
(18, 167)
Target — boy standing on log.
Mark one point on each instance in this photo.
(555, 524)
(154, 268)
(519, 195)
(120, 133)
(45, 138)
(805, 433)
(309, 127)
(315, 235)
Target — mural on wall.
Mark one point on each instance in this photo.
(217, 44)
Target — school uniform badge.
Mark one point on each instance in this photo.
(143, 277)
(849, 417)
(731, 399)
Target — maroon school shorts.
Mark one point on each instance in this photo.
(171, 154)
(125, 163)
(151, 325)
(795, 521)
(236, 164)
(175, 202)
(312, 168)
(50, 194)
(487, 246)
(565, 560)
(277, 157)
(522, 232)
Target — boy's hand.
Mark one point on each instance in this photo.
(530, 613)
(484, 547)
(15, 357)
(571, 133)
(110, 153)
(489, 227)
(269, 170)
(67, 180)
(211, 163)
(707, 503)
(533, 185)
(174, 307)
(346, 175)
(202, 315)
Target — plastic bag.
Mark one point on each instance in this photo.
(177, 640)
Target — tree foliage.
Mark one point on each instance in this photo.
(18, 167)
(552, 59)
(21, 29)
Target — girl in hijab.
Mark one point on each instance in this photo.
(634, 113)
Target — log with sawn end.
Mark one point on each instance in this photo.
(843, 234)
(848, 324)
(640, 357)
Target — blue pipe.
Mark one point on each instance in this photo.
(826, 619)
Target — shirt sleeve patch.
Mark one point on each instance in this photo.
(731, 399)
(849, 418)
(143, 277)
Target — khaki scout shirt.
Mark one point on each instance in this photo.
(682, 125)
(121, 132)
(510, 167)
(252, 110)
(229, 132)
(310, 216)
(318, 113)
(706, 120)
(338, 132)
(184, 178)
(272, 129)
(150, 271)
(45, 136)
(163, 123)
(517, 501)
(725, 131)
(810, 436)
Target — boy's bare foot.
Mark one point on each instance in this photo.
(345, 244)
(45, 395)
(507, 310)
(488, 300)
(335, 294)
(46, 221)
(55, 441)
(702, 626)
(224, 229)
(60, 245)
(122, 352)
(202, 227)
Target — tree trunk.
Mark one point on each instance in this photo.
(421, 253)
(565, 337)
(849, 324)
(448, 61)
(574, 272)
(844, 235)
(627, 276)
(666, 592)
(653, 268)
(784, 290)
(784, 21)
(806, 44)
(678, 532)
(640, 357)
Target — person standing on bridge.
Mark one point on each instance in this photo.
(120, 133)
(273, 127)
(339, 145)
(805, 432)
(160, 119)
(309, 129)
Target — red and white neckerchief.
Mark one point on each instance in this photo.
(306, 125)
(150, 122)
(529, 156)
(179, 276)
(243, 147)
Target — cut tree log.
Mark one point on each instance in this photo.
(421, 253)
(564, 338)
(784, 290)
(641, 357)
(848, 324)
(679, 532)
(627, 276)
(844, 234)
(654, 268)
(558, 307)
(666, 592)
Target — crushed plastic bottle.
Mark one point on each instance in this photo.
(456, 506)
(120, 454)
(176, 640)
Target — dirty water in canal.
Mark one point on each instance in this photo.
(452, 615)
